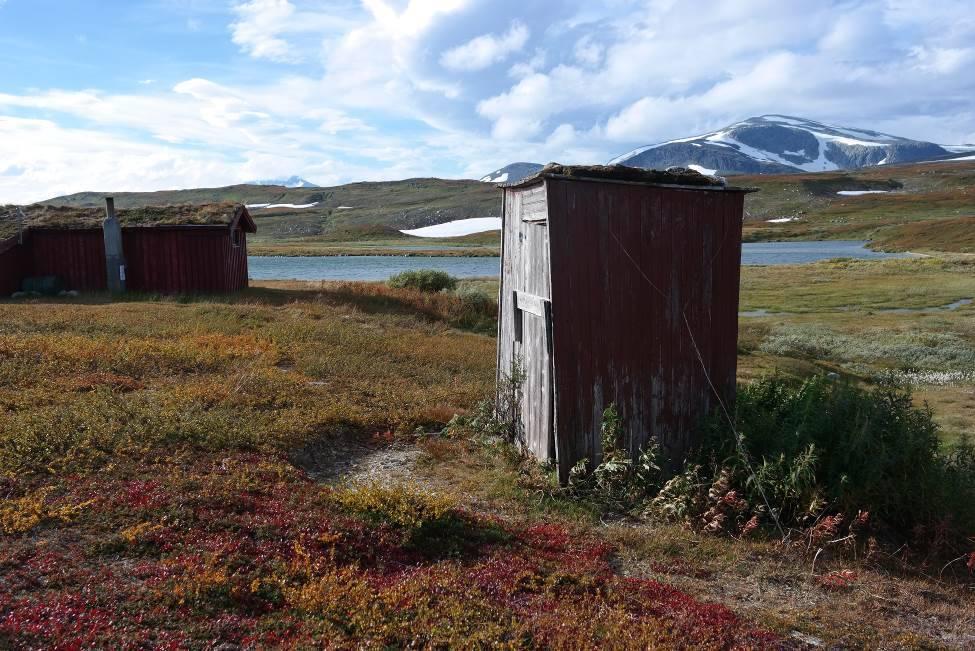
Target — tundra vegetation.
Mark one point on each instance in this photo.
(926, 206)
(156, 488)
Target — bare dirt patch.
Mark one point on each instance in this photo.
(351, 459)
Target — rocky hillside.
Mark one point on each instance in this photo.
(352, 211)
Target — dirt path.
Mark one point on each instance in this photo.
(348, 459)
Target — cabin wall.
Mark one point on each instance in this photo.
(524, 333)
(13, 265)
(634, 269)
(237, 272)
(184, 260)
(76, 256)
(165, 260)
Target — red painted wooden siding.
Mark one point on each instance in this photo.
(12, 266)
(184, 260)
(165, 260)
(619, 340)
(76, 256)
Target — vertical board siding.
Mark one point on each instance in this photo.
(525, 268)
(13, 265)
(634, 276)
(186, 260)
(76, 256)
(629, 264)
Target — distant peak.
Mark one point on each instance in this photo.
(512, 173)
(290, 182)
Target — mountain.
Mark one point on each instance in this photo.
(290, 182)
(512, 173)
(924, 205)
(777, 144)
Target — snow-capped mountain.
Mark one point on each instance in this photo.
(512, 173)
(780, 144)
(291, 182)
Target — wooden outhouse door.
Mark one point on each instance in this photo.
(533, 346)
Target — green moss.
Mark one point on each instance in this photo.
(43, 217)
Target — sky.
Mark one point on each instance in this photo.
(136, 95)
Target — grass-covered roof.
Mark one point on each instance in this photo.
(672, 176)
(61, 217)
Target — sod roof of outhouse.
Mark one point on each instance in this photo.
(679, 176)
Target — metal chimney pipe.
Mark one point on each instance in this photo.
(114, 256)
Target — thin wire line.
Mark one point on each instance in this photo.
(731, 421)
(734, 428)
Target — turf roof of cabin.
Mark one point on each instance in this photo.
(673, 176)
(61, 217)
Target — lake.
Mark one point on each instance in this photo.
(803, 252)
(377, 267)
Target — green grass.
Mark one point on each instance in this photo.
(345, 216)
(927, 208)
(145, 446)
(838, 317)
(860, 285)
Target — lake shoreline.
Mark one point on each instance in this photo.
(259, 252)
(380, 265)
(342, 250)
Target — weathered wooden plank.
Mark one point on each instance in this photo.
(534, 206)
(531, 303)
(537, 389)
(524, 332)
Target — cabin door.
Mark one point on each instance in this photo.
(533, 347)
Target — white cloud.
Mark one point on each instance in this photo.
(385, 89)
(486, 50)
(52, 160)
(531, 66)
(588, 52)
(272, 29)
(259, 27)
(416, 17)
(943, 60)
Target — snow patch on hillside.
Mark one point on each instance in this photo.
(821, 164)
(958, 149)
(268, 206)
(857, 193)
(703, 170)
(457, 228)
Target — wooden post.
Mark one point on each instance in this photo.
(114, 256)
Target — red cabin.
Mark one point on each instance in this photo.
(169, 250)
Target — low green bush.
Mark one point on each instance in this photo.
(424, 280)
(824, 457)
(474, 310)
(829, 447)
(618, 481)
